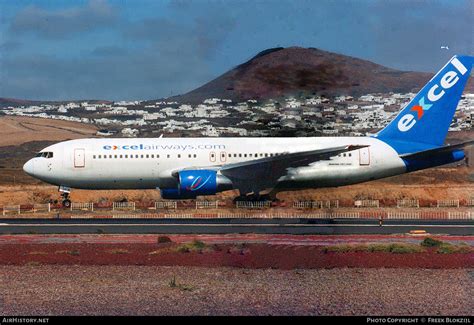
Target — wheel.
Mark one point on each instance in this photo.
(240, 198)
(268, 197)
(67, 203)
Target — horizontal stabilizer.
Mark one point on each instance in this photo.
(437, 151)
(435, 157)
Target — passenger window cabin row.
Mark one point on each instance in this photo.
(213, 155)
(152, 156)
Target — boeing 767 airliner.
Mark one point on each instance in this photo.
(184, 168)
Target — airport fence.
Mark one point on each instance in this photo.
(166, 205)
(179, 215)
(381, 215)
(136, 216)
(207, 205)
(11, 209)
(407, 203)
(447, 203)
(34, 208)
(123, 206)
(88, 206)
(317, 215)
(347, 215)
(253, 205)
(433, 214)
(316, 204)
(367, 204)
(464, 215)
(244, 215)
(403, 215)
(42, 207)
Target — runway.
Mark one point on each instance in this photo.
(233, 226)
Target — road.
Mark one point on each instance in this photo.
(229, 226)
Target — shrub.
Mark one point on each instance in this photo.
(379, 248)
(183, 248)
(195, 245)
(180, 286)
(465, 248)
(172, 282)
(360, 248)
(396, 248)
(345, 248)
(198, 244)
(400, 248)
(447, 248)
(164, 240)
(431, 242)
(337, 249)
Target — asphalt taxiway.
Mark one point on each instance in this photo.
(233, 226)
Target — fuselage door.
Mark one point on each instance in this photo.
(364, 156)
(79, 158)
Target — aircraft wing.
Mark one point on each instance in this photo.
(432, 152)
(263, 173)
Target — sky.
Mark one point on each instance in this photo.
(148, 49)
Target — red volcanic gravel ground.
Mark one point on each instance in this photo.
(245, 256)
(218, 255)
(149, 290)
(231, 275)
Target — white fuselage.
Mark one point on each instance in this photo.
(148, 163)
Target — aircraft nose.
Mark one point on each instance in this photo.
(29, 167)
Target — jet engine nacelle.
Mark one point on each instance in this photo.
(192, 183)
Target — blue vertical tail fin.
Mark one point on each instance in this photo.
(424, 122)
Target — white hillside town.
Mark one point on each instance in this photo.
(290, 116)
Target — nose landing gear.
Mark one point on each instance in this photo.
(66, 202)
(65, 195)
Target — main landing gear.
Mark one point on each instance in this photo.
(256, 198)
(65, 191)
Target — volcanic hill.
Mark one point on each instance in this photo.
(306, 71)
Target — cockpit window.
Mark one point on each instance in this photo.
(46, 154)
